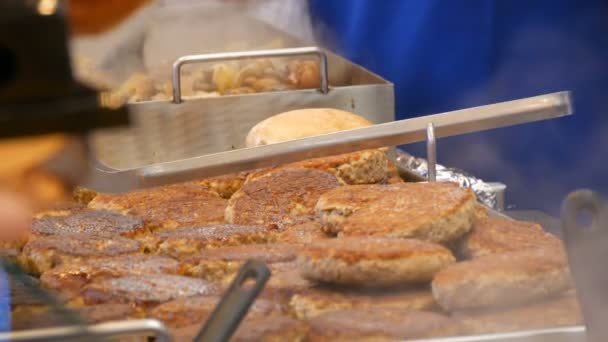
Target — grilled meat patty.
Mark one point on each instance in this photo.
(70, 278)
(96, 222)
(183, 242)
(146, 290)
(42, 254)
(280, 198)
(303, 233)
(372, 261)
(183, 312)
(505, 279)
(362, 167)
(226, 185)
(491, 235)
(555, 312)
(439, 212)
(168, 207)
(319, 300)
(219, 263)
(378, 324)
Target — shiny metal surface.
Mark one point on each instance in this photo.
(567, 334)
(431, 152)
(227, 56)
(586, 243)
(387, 134)
(102, 331)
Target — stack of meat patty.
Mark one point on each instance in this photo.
(355, 254)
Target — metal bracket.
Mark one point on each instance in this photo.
(215, 57)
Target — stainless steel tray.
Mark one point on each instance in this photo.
(164, 131)
(566, 334)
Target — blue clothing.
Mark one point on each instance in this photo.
(445, 55)
(5, 303)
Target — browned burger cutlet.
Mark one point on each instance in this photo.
(334, 206)
(552, 313)
(272, 328)
(319, 300)
(146, 290)
(60, 209)
(83, 195)
(492, 235)
(70, 278)
(438, 212)
(379, 324)
(506, 279)
(282, 198)
(42, 254)
(94, 222)
(183, 312)
(168, 207)
(303, 233)
(226, 185)
(372, 261)
(183, 242)
(25, 317)
(219, 263)
(363, 167)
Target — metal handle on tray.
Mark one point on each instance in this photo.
(235, 303)
(224, 56)
(587, 248)
(97, 331)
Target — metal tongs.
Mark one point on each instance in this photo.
(585, 227)
(387, 134)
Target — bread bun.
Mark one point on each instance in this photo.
(302, 123)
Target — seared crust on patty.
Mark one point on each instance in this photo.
(362, 167)
(334, 206)
(146, 290)
(492, 235)
(40, 255)
(555, 312)
(376, 325)
(502, 279)
(95, 222)
(168, 207)
(70, 278)
(37, 317)
(183, 312)
(318, 300)
(226, 185)
(219, 263)
(280, 198)
(372, 261)
(274, 328)
(439, 212)
(303, 233)
(183, 242)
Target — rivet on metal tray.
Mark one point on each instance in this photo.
(431, 152)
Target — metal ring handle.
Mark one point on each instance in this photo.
(214, 57)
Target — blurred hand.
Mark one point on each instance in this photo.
(15, 216)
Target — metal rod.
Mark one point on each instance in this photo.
(388, 134)
(431, 152)
(225, 56)
(98, 331)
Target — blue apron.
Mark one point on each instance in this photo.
(445, 55)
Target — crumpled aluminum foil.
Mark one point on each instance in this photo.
(419, 166)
